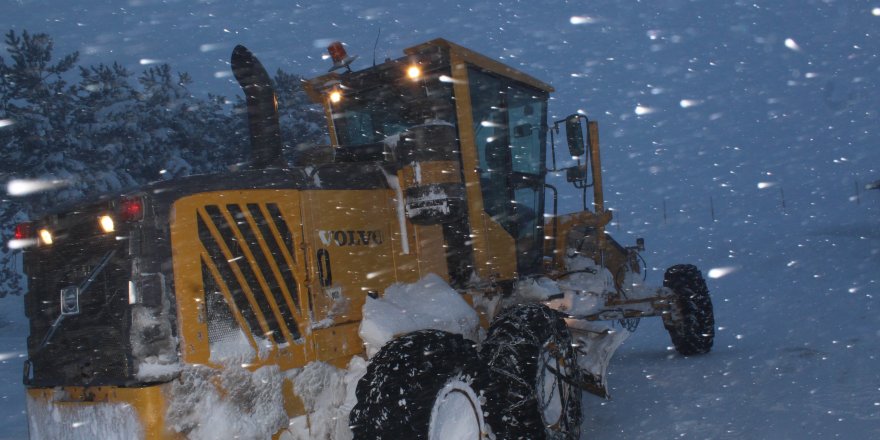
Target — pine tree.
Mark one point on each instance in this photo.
(301, 121)
(35, 105)
(37, 100)
(109, 131)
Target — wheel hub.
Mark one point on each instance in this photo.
(550, 399)
(457, 414)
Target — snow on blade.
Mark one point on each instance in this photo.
(23, 187)
(719, 272)
(429, 303)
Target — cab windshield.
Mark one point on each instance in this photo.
(376, 114)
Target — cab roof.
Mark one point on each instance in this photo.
(453, 54)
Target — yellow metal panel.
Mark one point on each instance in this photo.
(338, 343)
(430, 251)
(188, 289)
(500, 248)
(352, 228)
(189, 253)
(148, 403)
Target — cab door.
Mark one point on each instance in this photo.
(509, 136)
(348, 243)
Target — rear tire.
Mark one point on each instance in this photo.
(531, 375)
(691, 323)
(419, 386)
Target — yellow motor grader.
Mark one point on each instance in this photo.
(151, 311)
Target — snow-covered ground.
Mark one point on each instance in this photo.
(797, 348)
(796, 354)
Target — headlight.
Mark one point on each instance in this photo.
(107, 223)
(45, 236)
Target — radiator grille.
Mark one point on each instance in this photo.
(249, 270)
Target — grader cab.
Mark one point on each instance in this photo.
(149, 308)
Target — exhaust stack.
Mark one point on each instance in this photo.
(262, 109)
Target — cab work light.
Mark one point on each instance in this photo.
(414, 72)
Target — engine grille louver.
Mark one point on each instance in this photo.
(249, 258)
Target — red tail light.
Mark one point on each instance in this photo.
(131, 209)
(24, 231)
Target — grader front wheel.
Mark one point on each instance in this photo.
(691, 322)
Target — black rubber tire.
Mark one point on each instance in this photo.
(511, 354)
(692, 326)
(396, 395)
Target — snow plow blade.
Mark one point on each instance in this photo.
(595, 345)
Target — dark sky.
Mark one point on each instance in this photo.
(744, 91)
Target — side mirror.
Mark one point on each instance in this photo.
(575, 133)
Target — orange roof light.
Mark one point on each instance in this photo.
(337, 52)
(339, 56)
